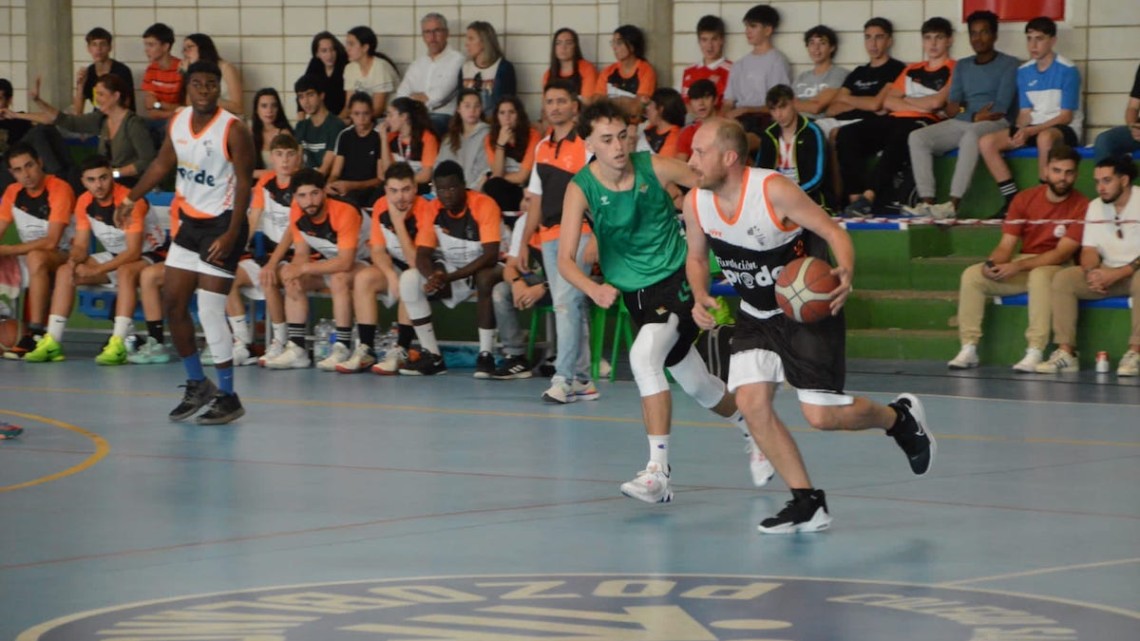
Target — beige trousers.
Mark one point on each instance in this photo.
(1069, 286)
(975, 288)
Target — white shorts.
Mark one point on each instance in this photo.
(179, 257)
(826, 125)
(253, 270)
(763, 366)
(386, 299)
(461, 290)
(113, 276)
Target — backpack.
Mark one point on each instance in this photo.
(715, 347)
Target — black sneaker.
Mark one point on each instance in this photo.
(198, 393)
(912, 434)
(485, 365)
(26, 344)
(860, 208)
(225, 409)
(427, 364)
(806, 512)
(513, 367)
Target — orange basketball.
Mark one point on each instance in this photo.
(802, 289)
(9, 333)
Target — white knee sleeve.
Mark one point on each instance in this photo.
(412, 293)
(647, 355)
(693, 377)
(212, 315)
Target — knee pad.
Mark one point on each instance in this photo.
(647, 355)
(412, 293)
(693, 377)
(212, 316)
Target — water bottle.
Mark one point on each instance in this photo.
(1103, 366)
(321, 340)
(132, 343)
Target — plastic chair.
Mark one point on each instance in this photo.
(539, 313)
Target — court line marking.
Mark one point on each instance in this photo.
(36, 632)
(1033, 440)
(101, 450)
(1059, 568)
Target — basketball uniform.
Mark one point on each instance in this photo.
(459, 239)
(98, 218)
(384, 236)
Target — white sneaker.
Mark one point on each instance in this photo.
(360, 361)
(585, 390)
(942, 211)
(337, 355)
(761, 467)
(394, 359)
(967, 357)
(242, 356)
(1030, 361)
(275, 349)
(1061, 362)
(650, 485)
(560, 392)
(1129, 364)
(920, 210)
(292, 357)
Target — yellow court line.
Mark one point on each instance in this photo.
(1035, 440)
(101, 450)
(1059, 568)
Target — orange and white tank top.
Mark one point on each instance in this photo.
(204, 187)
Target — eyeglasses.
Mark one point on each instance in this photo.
(432, 32)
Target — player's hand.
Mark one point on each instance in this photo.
(77, 255)
(604, 295)
(83, 270)
(703, 308)
(335, 188)
(436, 282)
(221, 246)
(523, 259)
(34, 91)
(1005, 270)
(518, 291)
(393, 281)
(268, 278)
(290, 272)
(1018, 139)
(1098, 280)
(1134, 129)
(839, 294)
(80, 78)
(530, 295)
(398, 217)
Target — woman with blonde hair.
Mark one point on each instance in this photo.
(486, 70)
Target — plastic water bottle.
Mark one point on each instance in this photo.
(132, 343)
(321, 340)
(1102, 364)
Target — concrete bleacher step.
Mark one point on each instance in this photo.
(898, 344)
(901, 309)
(939, 273)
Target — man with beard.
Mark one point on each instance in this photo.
(1109, 265)
(1041, 221)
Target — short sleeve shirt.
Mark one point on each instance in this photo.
(317, 139)
(381, 78)
(1038, 234)
(460, 237)
(33, 213)
(338, 231)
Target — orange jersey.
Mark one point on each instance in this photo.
(641, 83)
(584, 81)
(512, 162)
(664, 142)
(98, 217)
(34, 212)
(460, 237)
(335, 232)
(419, 153)
(919, 81)
(383, 234)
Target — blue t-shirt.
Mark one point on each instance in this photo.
(994, 83)
(1047, 92)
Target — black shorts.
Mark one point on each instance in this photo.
(1067, 135)
(197, 234)
(655, 303)
(813, 355)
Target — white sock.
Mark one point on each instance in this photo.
(737, 419)
(280, 333)
(123, 326)
(426, 335)
(56, 325)
(242, 330)
(486, 340)
(659, 451)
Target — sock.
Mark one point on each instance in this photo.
(123, 326)
(367, 335)
(36, 329)
(426, 334)
(344, 336)
(1008, 190)
(193, 365)
(297, 334)
(405, 334)
(155, 330)
(242, 331)
(486, 340)
(802, 494)
(737, 419)
(55, 327)
(280, 332)
(659, 451)
(226, 379)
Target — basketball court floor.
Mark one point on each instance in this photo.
(361, 508)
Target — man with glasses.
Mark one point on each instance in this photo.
(433, 78)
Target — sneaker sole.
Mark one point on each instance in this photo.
(762, 481)
(178, 418)
(511, 377)
(556, 401)
(222, 420)
(483, 375)
(593, 396)
(919, 414)
(412, 372)
(341, 369)
(959, 367)
(110, 363)
(668, 498)
(381, 372)
(816, 524)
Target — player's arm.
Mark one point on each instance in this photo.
(819, 103)
(239, 143)
(269, 271)
(1064, 250)
(488, 258)
(697, 267)
(343, 262)
(383, 261)
(794, 205)
(163, 163)
(1005, 248)
(573, 210)
(533, 221)
(671, 170)
(132, 253)
(327, 162)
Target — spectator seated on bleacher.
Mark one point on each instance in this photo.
(433, 79)
(714, 66)
(630, 81)
(816, 87)
(199, 46)
(99, 42)
(317, 132)
(486, 71)
(356, 173)
(1124, 139)
(465, 138)
(794, 146)
(510, 151)
(754, 74)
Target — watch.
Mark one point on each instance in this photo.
(116, 174)
(157, 104)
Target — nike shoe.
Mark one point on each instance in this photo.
(360, 360)
(428, 364)
(912, 434)
(1060, 362)
(276, 348)
(114, 352)
(585, 390)
(758, 464)
(806, 512)
(225, 408)
(337, 355)
(485, 365)
(151, 353)
(198, 393)
(394, 360)
(292, 357)
(513, 367)
(861, 208)
(650, 485)
(561, 391)
(242, 356)
(47, 350)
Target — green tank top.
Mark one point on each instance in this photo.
(639, 237)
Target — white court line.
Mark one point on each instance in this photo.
(1060, 568)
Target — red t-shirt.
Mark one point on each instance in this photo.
(1033, 205)
(716, 72)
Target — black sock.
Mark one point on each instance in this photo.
(36, 329)
(344, 336)
(297, 334)
(155, 330)
(367, 335)
(1008, 190)
(405, 334)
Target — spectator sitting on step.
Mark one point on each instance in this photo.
(99, 46)
(1124, 139)
(794, 146)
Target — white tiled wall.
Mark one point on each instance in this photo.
(269, 39)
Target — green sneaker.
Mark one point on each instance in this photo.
(47, 351)
(114, 352)
(150, 353)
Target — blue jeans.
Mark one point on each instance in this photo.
(1115, 141)
(569, 314)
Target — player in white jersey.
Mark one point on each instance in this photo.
(771, 222)
(213, 153)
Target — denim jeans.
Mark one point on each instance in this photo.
(569, 314)
(1115, 141)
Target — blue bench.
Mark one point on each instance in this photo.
(1113, 302)
(1086, 153)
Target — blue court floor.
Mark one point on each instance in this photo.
(367, 508)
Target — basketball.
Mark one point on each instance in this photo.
(802, 289)
(9, 333)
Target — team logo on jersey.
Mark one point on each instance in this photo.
(612, 607)
(605, 200)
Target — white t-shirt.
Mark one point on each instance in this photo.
(1100, 231)
(381, 78)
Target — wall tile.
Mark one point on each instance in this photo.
(220, 22)
(261, 21)
(303, 21)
